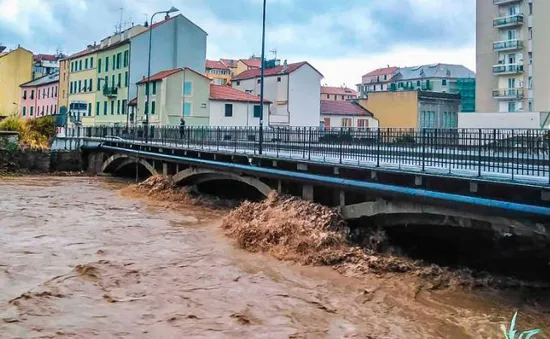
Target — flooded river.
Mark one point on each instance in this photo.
(78, 259)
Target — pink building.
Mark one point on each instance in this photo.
(39, 97)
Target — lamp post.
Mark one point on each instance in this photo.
(146, 111)
(249, 91)
(262, 83)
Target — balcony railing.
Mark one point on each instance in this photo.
(508, 93)
(507, 45)
(508, 21)
(110, 91)
(508, 69)
(504, 2)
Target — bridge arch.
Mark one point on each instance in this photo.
(196, 176)
(122, 160)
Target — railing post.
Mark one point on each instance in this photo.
(378, 140)
(341, 144)
(513, 157)
(548, 150)
(309, 145)
(218, 138)
(479, 153)
(423, 141)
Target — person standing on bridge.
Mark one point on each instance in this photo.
(182, 128)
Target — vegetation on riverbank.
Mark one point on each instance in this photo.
(35, 134)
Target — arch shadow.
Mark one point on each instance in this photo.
(119, 161)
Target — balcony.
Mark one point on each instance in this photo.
(508, 69)
(508, 21)
(508, 93)
(507, 45)
(504, 2)
(110, 92)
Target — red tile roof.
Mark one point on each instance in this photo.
(45, 57)
(229, 62)
(212, 64)
(133, 102)
(163, 74)
(228, 93)
(256, 63)
(279, 70)
(85, 52)
(338, 91)
(381, 71)
(343, 108)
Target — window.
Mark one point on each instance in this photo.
(86, 64)
(187, 109)
(32, 94)
(43, 93)
(530, 8)
(124, 106)
(79, 86)
(125, 58)
(24, 111)
(278, 79)
(238, 83)
(362, 123)
(98, 65)
(47, 109)
(118, 107)
(328, 96)
(92, 62)
(106, 64)
(25, 94)
(530, 106)
(418, 83)
(346, 122)
(118, 57)
(154, 87)
(106, 81)
(119, 80)
(326, 122)
(257, 111)
(80, 65)
(105, 107)
(343, 97)
(97, 106)
(530, 58)
(112, 107)
(530, 33)
(85, 84)
(153, 107)
(428, 119)
(258, 80)
(55, 109)
(187, 88)
(89, 109)
(114, 62)
(126, 79)
(228, 110)
(32, 111)
(113, 84)
(444, 82)
(55, 91)
(146, 107)
(511, 106)
(90, 85)
(530, 82)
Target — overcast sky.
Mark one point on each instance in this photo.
(343, 39)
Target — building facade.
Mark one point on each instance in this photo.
(232, 107)
(338, 93)
(218, 72)
(175, 93)
(376, 81)
(39, 97)
(293, 89)
(176, 43)
(45, 64)
(247, 65)
(15, 69)
(83, 86)
(414, 109)
(112, 87)
(63, 97)
(512, 56)
(346, 114)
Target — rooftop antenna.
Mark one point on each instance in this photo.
(121, 9)
(274, 51)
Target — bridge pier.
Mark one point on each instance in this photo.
(165, 169)
(95, 163)
(307, 192)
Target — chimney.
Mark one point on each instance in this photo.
(167, 16)
(285, 66)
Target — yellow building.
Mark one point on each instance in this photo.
(247, 64)
(112, 89)
(83, 86)
(413, 109)
(63, 96)
(15, 69)
(218, 72)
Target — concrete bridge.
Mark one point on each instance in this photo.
(500, 185)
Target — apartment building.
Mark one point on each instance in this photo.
(39, 97)
(82, 86)
(15, 69)
(376, 81)
(338, 93)
(63, 97)
(294, 89)
(513, 56)
(218, 72)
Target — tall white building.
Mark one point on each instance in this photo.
(513, 56)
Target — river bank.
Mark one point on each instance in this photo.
(88, 257)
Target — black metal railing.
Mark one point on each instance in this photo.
(507, 154)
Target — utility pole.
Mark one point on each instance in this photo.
(262, 84)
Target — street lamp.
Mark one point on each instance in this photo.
(262, 83)
(146, 111)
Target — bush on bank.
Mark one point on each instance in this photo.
(33, 133)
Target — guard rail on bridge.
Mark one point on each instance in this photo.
(497, 154)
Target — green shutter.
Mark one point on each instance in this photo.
(32, 111)
(257, 111)
(105, 107)
(112, 107)
(126, 79)
(124, 106)
(152, 107)
(118, 107)
(97, 108)
(154, 87)
(106, 64)
(99, 65)
(90, 109)
(119, 80)
(24, 110)
(125, 58)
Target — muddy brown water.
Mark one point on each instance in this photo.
(80, 260)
